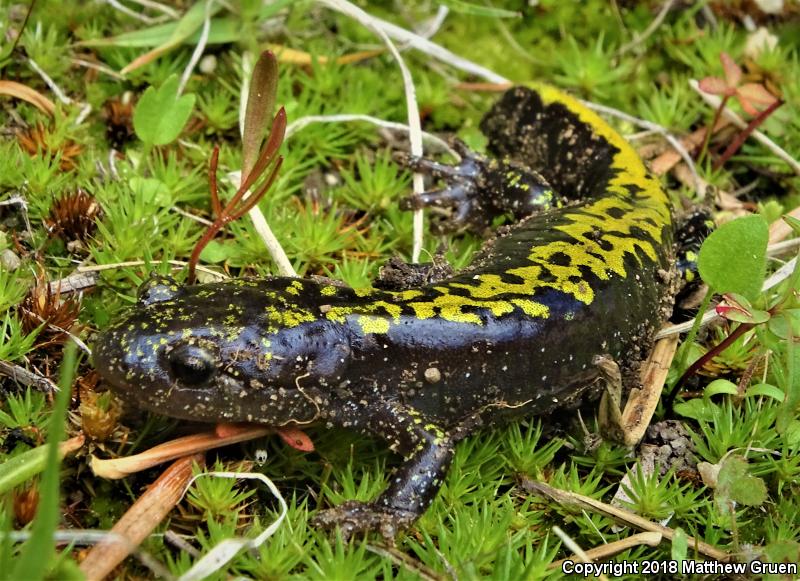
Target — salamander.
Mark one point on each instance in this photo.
(581, 275)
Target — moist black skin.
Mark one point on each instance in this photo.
(579, 276)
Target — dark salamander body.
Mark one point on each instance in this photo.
(515, 334)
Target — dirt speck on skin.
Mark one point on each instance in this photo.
(398, 275)
(670, 445)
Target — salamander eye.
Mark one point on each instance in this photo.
(192, 365)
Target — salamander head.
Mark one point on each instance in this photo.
(235, 351)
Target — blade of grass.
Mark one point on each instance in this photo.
(27, 465)
(188, 25)
(37, 554)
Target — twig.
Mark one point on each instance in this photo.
(167, 10)
(610, 549)
(432, 26)
(781, 247)
(714, 101)
(132, 13)
(199, 49)
(570, 543)
(437, 51)
(734, 145)
(649, 30)
(98, 67)
(74, 282)
(191, 216)
(75, 339)
(642, 403)
(26, 378)
(83, 114)
(303, 122)
(178, 264)
(50, 82)
(406, 562)
(414, 124)
(622, 515)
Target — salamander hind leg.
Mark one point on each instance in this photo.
(478, 189)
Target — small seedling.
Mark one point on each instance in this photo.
(260, 102)
(749, 95)
(161, 114)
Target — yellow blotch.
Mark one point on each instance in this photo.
(393, 311)
(328, 291)
(371, 324)
(451, 308)
(408, 295)
(532, 308)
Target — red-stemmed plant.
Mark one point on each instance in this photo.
(257, 161)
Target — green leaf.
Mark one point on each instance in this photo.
(793, 223)
(785, 323)
(737, 484)
(20, 468)
(38, 551)
(697, 409)
(737, 308)
(161, 114)
(222, 30)
(720, 386)
(766, 390)
(791, 434)
(787, 412)
(150, 191)
(733, 258)
(479, 10)
(680, 545)
(216, 252)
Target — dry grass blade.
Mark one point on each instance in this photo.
(642, 403)
(620, 514)
(610, 549)
(260, 104)
(24, 92)
(178, 448)
(140, 520)
(292, 56)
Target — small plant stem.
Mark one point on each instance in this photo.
(737, 143)
(698, 321)
(710, 129)
(212, 182)
(713, 352)
(238, 204)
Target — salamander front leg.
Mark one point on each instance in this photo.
(427, 453)
(478, 189)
